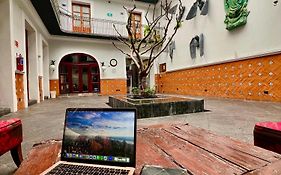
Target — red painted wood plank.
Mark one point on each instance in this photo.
(239, 153)
(200, 151)
(271, 169)
(235, 144)
(148, 154)
(41, 157)
(194, 159)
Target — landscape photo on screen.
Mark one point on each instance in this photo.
(100, 135)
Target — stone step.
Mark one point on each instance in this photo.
(32, 102)
(4, 111)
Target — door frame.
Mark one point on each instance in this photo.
(92, 83)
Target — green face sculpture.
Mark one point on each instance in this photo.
(236, 13)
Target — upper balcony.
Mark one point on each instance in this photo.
(77, 21)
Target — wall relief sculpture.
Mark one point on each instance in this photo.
(171, 48)
(203, 6)
(196, 42)
(236, 13)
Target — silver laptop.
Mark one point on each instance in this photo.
(97, 141)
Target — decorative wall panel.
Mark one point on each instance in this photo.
(20, 91)
(40, 81)
(253, 79)
(54, 86)
(113, 87)
(236, 13)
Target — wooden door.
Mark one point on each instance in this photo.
(81, 18)
(84, 78)
(94, 78)
(20, 91)
(79, 73)
(40, 80)
(65, 81)
(136, 25)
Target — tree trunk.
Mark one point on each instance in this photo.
(142, 81)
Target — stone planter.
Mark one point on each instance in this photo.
(155, 107)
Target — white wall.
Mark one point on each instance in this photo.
(261, 35)
(46, 62)
(101, 8)
(13, 17)
(18, 30)
(7, 88)
(40, 55)
(33, 65)
(37, 34)
(102, 52)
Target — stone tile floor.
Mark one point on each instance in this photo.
(233, 118)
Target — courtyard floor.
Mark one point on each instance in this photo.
(233, 118)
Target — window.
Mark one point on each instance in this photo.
(136, 25)
(81, 18)
(162, 67)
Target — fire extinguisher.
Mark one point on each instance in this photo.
(20, 63)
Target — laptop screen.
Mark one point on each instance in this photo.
(102, 136)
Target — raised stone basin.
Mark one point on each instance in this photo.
(155, 107)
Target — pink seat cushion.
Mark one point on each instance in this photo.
(270, 125)
(267, 135)
(10, 134)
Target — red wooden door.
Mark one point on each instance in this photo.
(79, 78)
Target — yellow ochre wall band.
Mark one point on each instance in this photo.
(113, 87)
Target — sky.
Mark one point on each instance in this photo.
(97, 123)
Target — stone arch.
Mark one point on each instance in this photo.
(79, 73)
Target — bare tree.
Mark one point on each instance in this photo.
(152, 44)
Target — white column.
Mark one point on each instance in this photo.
(7, 78)
(46, 62)
(33, 65)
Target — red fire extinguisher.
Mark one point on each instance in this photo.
(19, 63)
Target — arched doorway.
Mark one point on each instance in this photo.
(79, 73)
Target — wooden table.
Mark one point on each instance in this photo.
(197, 150)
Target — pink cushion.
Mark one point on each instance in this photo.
(267, 135)
(10, 134)
(270, 125)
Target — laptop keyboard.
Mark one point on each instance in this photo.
(63, 169)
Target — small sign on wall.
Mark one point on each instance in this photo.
(16, 44)
(19, 61)
(109, 14)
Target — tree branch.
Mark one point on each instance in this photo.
(120, 50)
(146, 18)
(178, 20)
(158, 46)
(133, 38)
(121, 38)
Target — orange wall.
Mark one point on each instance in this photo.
(253, 79)
(20, 91)
(113, 87)
(54, 86)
